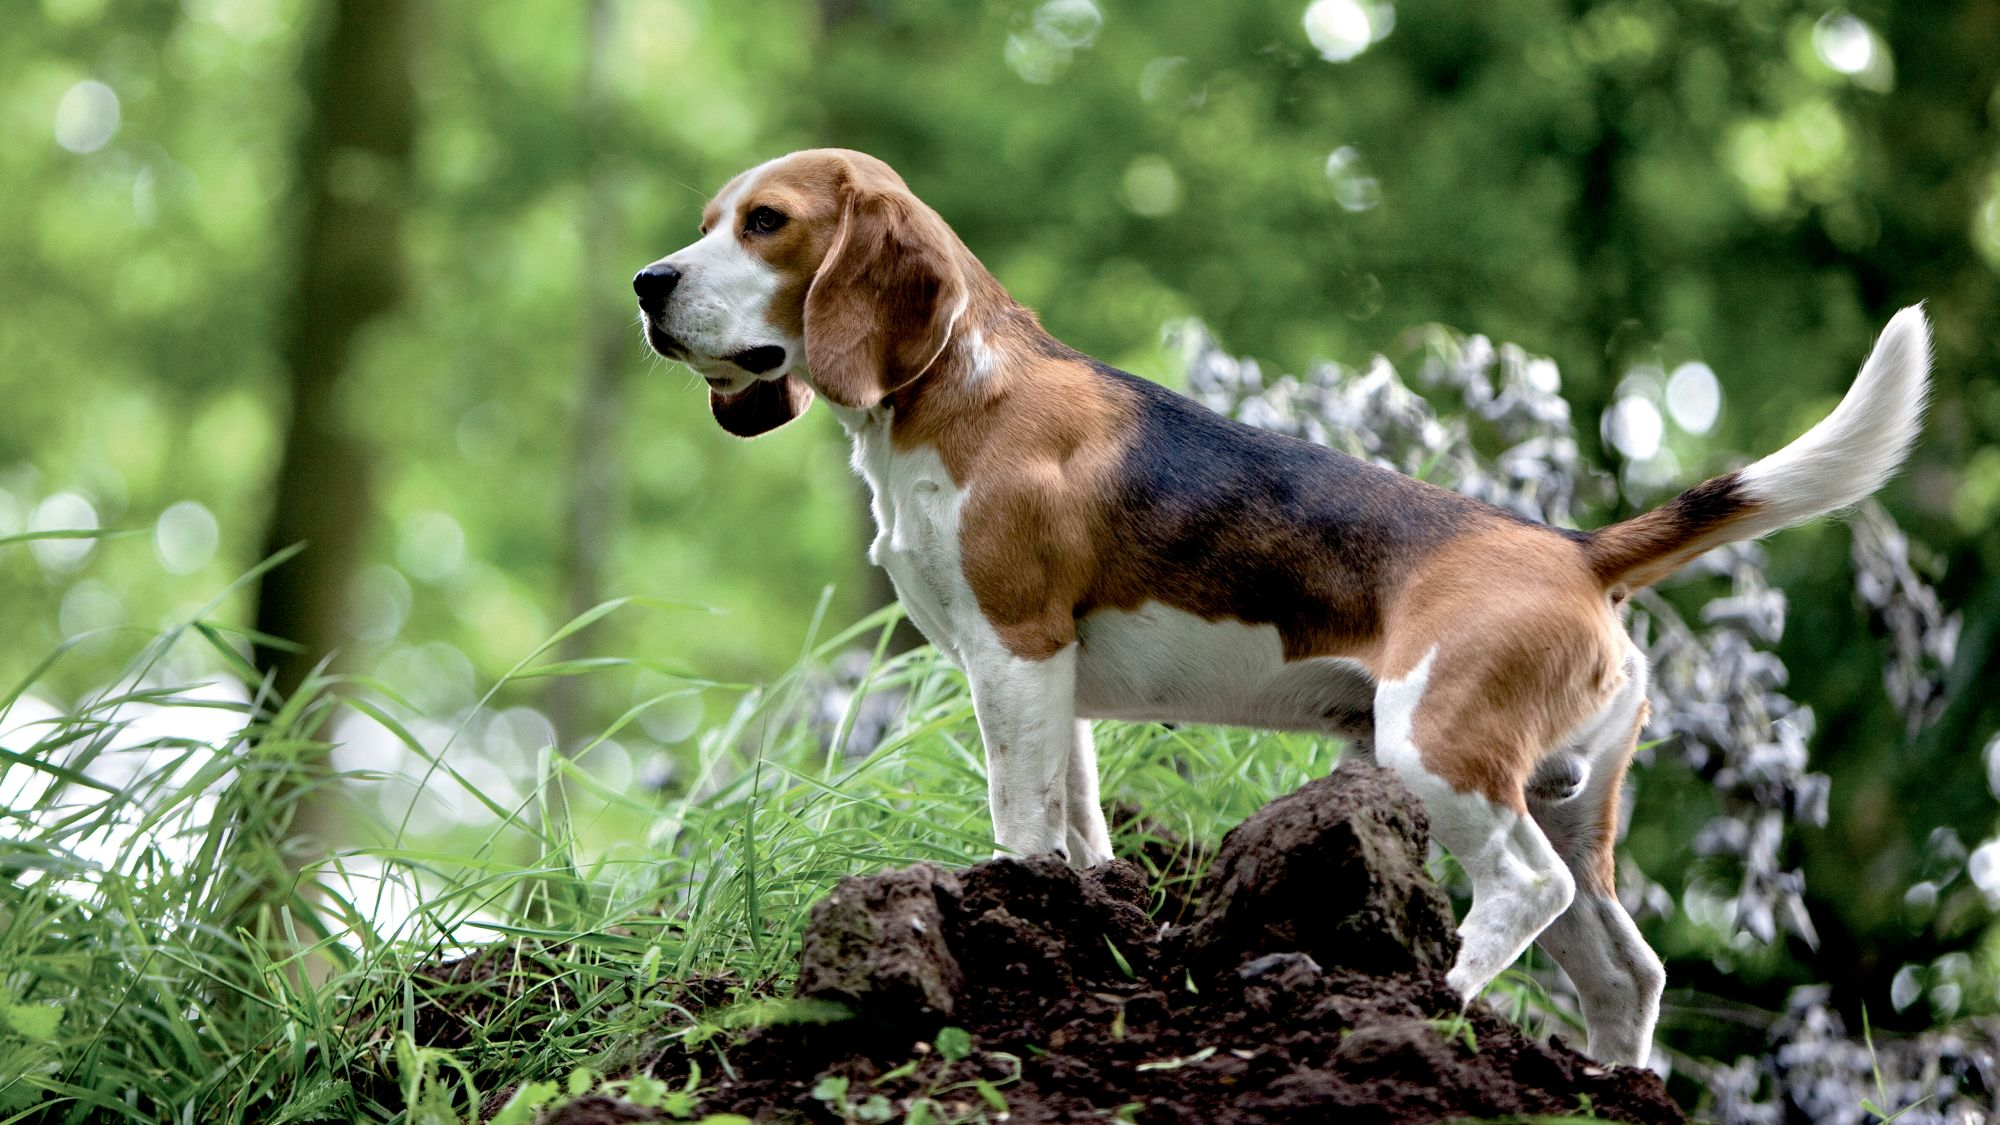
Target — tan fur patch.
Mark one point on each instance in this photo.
(1527, 649)
(1038, 446)
(1604, 868)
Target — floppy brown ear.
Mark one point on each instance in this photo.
(761, 407)
(881, 306)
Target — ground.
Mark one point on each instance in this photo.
(1307, 979)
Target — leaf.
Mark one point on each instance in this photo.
(320, 1102)
(873, 1108)
(832, 1090)
(434, 1107)
(520, 1109)
(646, 1091)
(992, 1095)
(953, 1044)
(903, 1071)
(69, 533)
(1124, 966)
(34, 1021)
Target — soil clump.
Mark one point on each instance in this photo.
(1306, 985)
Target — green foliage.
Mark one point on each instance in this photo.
(1628, 186)
(1622, 184)
(307, 1004)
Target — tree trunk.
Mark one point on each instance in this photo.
(596, 485)
(353, 166)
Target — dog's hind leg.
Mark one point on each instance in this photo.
(1618, 977)
(1519, 883)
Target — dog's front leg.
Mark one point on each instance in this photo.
(1027, 717)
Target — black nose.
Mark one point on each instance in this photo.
(654, 285)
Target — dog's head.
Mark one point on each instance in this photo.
(818, 271)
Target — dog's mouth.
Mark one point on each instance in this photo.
(665, 344)
(759, 360)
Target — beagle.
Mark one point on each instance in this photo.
(1086, 544)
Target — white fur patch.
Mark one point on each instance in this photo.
(981, 361)
(1159, 664)
(1854, 450)
(1617, 976)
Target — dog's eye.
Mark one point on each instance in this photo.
(763, 220)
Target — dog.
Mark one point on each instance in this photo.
(1086, 544)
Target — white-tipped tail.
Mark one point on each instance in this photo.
(1857, 448)
(1838, 462)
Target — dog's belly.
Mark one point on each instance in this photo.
(1158, 664)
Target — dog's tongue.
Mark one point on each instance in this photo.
(759, 360)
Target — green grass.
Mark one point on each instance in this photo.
(162, 963)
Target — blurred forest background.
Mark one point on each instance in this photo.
(354, 274)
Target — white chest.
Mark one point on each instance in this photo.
(916, 507)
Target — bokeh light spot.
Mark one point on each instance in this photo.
(1986, 227)
(65, 511)
(1984, 869)
(1353, 188)
(1060, 29)
(1694, 397)
(1634, 427)
(673, 712)
(185, 537)
(1843, 42)
(1905, 988)
(87, 116)
(378, 604)
(431, 547)
(1341, 29)
(1848, 46)
(1069, 23)
(88, 607)
(1151, 187)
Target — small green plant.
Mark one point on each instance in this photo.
(1876, 1104)
(1118, 956)
(833, 1092)
(929, 1106)
(1456, 1028)
(431, 1080)
(642, 1090)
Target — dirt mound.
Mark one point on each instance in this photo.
(1308, 984)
